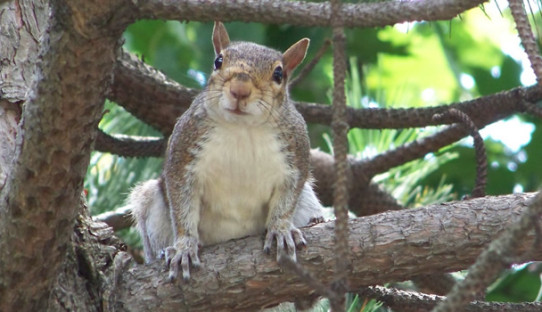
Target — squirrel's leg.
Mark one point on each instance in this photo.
(280, 226)
(185, 213)
(152, 218)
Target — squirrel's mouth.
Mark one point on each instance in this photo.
(236, 111)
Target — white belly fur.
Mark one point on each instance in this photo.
(238, 169)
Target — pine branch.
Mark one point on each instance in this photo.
(409, 301)
(386, 247)
(500, 254)
(369, 14)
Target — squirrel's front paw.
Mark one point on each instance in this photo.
(184, 252)
(287, 236)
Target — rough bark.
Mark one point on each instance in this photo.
(387, 247)
(381, 13)
(64, 49)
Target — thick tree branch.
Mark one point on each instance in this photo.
(38, 202)
(500, 254)
(386, 247)
(148, 94)
(369, 14)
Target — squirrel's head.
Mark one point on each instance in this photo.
(249, 81)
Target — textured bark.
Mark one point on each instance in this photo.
(54, 139)
(302, 13)
(387, 247)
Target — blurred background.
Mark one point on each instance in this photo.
(409, 65)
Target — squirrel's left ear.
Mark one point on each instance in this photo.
(220, 37)
(295, 55)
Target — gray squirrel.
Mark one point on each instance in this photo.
(237, 162)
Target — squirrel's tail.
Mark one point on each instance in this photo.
(308, 209)
(151, 217)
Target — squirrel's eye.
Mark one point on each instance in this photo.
(218, 61)
(277, 75)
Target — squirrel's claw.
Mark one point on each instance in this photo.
(184, 253)
(287, 241)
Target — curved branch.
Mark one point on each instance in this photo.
(369, 14)
(386, 247)
(130, 146)
(454, 115)
(148, 94)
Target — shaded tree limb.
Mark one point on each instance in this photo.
(437, 284)
(118, 219)
(386, 247)
(130, 146)
(409, 301)
(305, 13)
(148, 94)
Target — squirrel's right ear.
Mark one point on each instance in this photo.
(295, 55)
(220, 37)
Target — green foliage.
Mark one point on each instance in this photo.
(402, 182)
(518, 284)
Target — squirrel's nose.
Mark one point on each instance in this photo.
(240, 89)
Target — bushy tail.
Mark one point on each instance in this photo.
(151, 216)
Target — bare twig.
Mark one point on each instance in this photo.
(130, 146)
(307, 277)
(118, 219)
(527, 39)
(409, 301)
(340, 151)
(454, 115)
(310, 66)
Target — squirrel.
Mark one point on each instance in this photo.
(237, 162)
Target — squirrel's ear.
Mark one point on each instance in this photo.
(220, 37)
(295, 54)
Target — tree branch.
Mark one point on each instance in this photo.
(386, 247)
(130, 146)
(38, 203)
(300, 13)
(148, 94)
(409, 301)
(500, 254)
